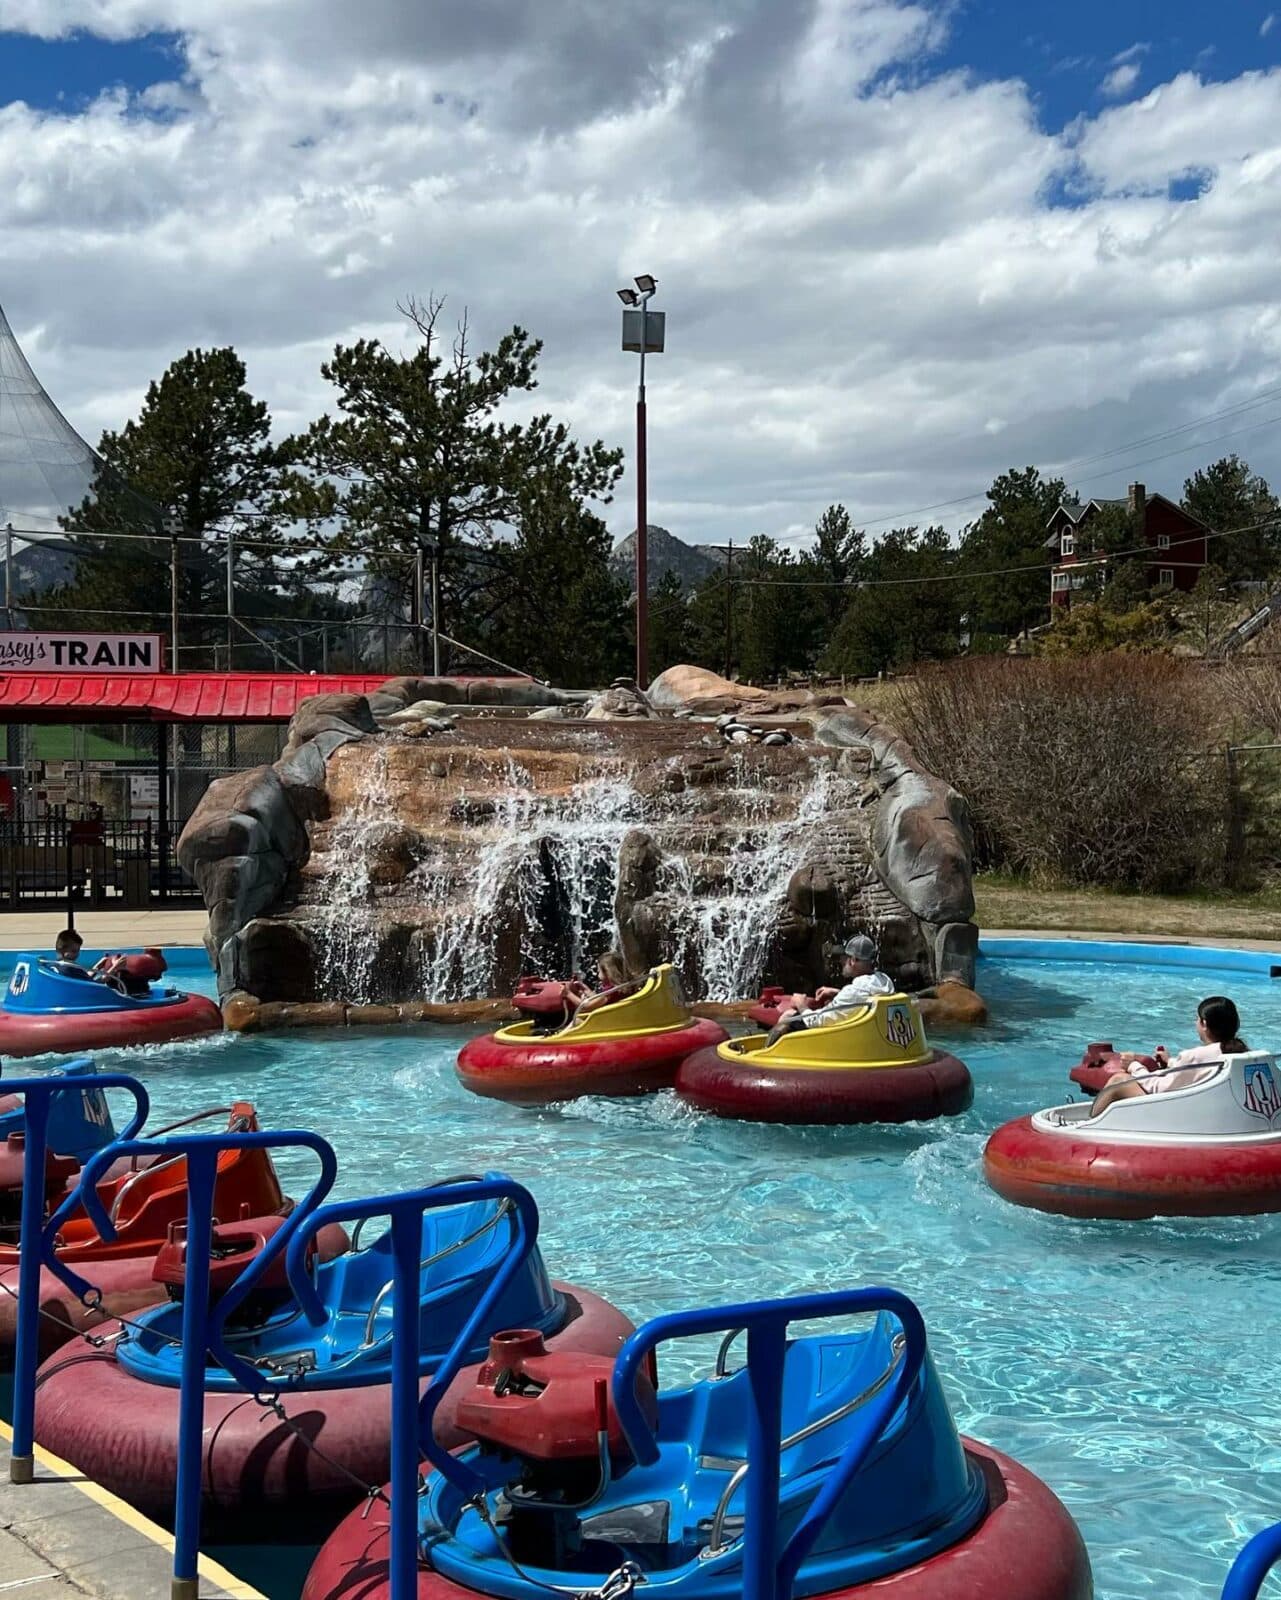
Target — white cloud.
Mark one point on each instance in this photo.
(1120, 80)
(1266, 26)
(870, 297)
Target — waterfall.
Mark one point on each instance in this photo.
(725, 936)
(519, 872)
(538, 848)
(347, 928)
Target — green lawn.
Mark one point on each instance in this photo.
(58, 744)
(1011, 903)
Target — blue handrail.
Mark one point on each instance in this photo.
(411, 1420)
(38, 1096)
(201, 1152)
(1251, 1568)
(765, 1575)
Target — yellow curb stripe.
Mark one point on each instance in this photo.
(123, 1512)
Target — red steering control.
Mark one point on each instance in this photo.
(235, 1245)
(547, 1406)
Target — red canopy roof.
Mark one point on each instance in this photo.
(166, 697)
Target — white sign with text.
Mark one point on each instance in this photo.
(81, 652)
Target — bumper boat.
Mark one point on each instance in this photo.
(114, 1412)
(46, 1010)
(145, 1202)
(829, 1466)
(633, 1046)
(1212, 1149)
(875, 1066)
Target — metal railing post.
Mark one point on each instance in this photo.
(202, 1169)
(37, 1096)
(201, 1152)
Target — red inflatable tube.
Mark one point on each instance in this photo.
(1088, 1178)
(260, 1479)
(939, 1087)
(542, 1070)
(66, 1032)
(1026, 1548)
(127, 1287)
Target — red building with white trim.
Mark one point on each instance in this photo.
(1175, 544)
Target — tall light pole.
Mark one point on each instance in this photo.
(644, 331)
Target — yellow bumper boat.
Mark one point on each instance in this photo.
(873, 1066)
(632, 1046)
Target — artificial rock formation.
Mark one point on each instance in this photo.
(429, 843)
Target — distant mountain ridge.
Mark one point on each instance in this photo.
(692, 563)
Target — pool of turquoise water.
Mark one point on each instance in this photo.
(1127, 1364)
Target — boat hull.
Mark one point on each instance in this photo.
(939, 1087)
(64, 1032)
(260, 1478)
(1075, 1177)
(538, 1071)
(1026, 1548)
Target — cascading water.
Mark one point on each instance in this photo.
(513, 866)
(725, 934)
(346, 927)
(546, 869)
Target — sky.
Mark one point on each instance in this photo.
(902, 244)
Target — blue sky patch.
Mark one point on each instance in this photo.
(65, 74)
(1080, 58)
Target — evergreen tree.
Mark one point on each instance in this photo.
(1225, 496)
(417, 456)
(197, 461)
(1010, 534)
(907, 612)
(552, 607)
(669, 624)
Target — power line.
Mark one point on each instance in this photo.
(1084, 461)
(1159, 558)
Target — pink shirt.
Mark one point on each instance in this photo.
(1198, 1055)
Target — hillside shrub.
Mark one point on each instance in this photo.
(1089, 770)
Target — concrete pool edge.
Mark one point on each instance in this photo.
(81, 1532)
(1256, 957)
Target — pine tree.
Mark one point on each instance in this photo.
(197, 461)
(1228, 496)
(417, 457)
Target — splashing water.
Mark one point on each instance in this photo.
(347, 927)
(528, 880)
(548, 859)
(726, 935)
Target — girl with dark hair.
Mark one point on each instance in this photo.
(1218, 1027)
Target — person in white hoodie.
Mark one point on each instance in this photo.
(863, 982)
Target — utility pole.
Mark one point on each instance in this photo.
(174, 528)
(435, 609)
(729, 609)
(643, 331)
(231, 599)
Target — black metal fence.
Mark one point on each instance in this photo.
(88, 862)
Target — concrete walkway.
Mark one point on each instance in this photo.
(62, 1536)
(102, 930)
(1128, 938)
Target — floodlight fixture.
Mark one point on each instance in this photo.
(645, 283)
(629, 297)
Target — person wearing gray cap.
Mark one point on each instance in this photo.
(863, 981)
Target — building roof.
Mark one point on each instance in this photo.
(167, 697)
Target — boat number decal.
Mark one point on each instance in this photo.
(18, 983)
(1261, 1095)
(95, 1106)
(899, 1027)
